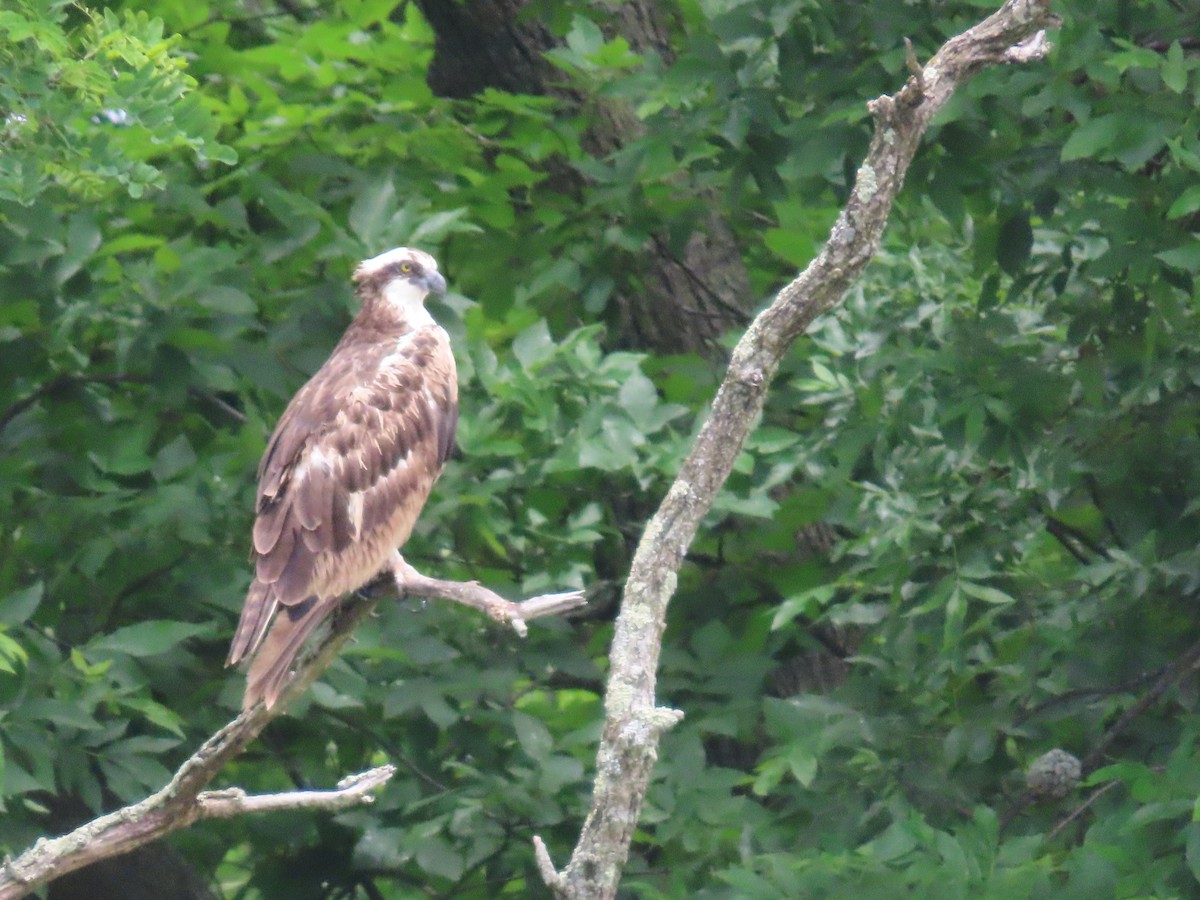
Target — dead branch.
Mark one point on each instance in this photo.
(633, 723)
(1080, 810)
(353, 790)
(411, 583)
(1187, 663)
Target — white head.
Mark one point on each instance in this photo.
(401, 279)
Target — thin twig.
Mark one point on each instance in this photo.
(1107, 690)
(65, 380)
(1187, 663)
(1081, 809)
(57, 383)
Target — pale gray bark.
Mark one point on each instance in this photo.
(633, 720)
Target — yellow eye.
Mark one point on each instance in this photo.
(406, 268)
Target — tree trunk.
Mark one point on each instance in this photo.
(676, 297)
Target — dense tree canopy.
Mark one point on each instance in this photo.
(964, 534)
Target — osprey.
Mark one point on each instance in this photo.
(349, 466)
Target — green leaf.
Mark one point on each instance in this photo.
(91, 671)
(1186, 257)
(11, 652)
(130, 243)
(533, 735)
(371, 210)
(1191, 849)
(19, 606)
(896, 841)
(802, 764)
(585, 36)
(148, 638)
(437, 857)
(533, 346)
(1186, 203)
(172, 459)
(985, 593)
(1174, 69)
(824, 374)
(83, 237)
(156, 714)
(639, 398)
(1133, 56)
(60, 712)
(1092, 137)
(789, 245)
(227, 300)
(807, 603)
(436, 226)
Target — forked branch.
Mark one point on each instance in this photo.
(633, 723)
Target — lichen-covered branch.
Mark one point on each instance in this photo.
(183, 800)
(633, 722)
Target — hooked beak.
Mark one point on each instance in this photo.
(434, 283)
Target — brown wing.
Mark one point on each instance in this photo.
(341, 483)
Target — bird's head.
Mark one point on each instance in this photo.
(400, 280)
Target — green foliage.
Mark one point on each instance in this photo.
(89, 105)
(992, 446)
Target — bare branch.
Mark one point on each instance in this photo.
(410, 582)
(1187, 663)
(353, 790)
(633, 722)
(545, 865)
(1081, 809)
(58, 383)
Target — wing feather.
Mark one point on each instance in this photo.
(272, 517)
(295, 581)
(271, 564)
(313, 498)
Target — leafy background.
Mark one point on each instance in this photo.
(964, 534)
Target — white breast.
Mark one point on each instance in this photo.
(408, 300)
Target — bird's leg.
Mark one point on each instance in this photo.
(402, 572)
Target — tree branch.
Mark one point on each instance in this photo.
(58, 383)
(1187, 663)
(1080, 810)
(1184, 665)
(65, 380)
(410, 582)
(633, 723)
(180, 802)
(353, 790)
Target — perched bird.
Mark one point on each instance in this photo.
(349, 467)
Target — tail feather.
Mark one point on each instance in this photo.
(273, 660)
(256, 616)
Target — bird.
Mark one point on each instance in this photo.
(349, 466)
